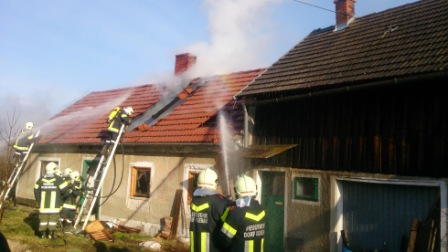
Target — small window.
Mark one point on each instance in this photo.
(306, 188)
(140, 186)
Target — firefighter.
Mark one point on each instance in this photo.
(207, 208)
(68, 212)
(244, 226)
(48, 192)
(67, 172)
(23, 142)
(115, 122)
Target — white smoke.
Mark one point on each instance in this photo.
(239, 32)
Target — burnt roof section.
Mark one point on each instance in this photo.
(404, 41)
(195, 119)
(192, 121)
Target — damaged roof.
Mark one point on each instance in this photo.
(191, 120)
(405, 41)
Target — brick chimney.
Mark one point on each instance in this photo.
(183, 62)
(345, 10)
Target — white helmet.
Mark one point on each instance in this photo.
(51, 167)
(67, 172)
(74, 175)
(208, 179)
(129, 110)
(245, 186)
(29, 125)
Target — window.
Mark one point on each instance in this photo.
(141, 181)
(306, 188)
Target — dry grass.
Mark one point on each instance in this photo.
(19, 225)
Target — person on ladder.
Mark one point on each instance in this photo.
(22, 143)
(48, 192)
(117, 118)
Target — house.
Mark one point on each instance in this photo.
(361, 108)
(176, 132)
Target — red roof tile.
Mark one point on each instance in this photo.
(193, 121)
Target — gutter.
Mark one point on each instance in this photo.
(383, 83)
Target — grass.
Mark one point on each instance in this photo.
(19, 225)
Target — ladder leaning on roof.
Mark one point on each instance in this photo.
(94, 186)
(15, 175)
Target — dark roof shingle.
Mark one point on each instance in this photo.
(407, 40)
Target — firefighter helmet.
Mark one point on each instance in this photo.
(245, 186)
(51, 167)
(67, 172)
(29, 125)
(57, 171)
(74, 175)
(129, 110)
(208, 179)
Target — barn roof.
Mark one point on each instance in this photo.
(400, 42)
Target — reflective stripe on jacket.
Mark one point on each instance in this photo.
(115, 125)
(48, 191)
(22, 142)
(205, 222)
(244, 228)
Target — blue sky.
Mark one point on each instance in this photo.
(53, 52)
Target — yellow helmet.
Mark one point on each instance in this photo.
(245, 186)
(51, 167)
(208, 179)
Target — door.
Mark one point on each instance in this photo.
(88, 170)
(273, 199)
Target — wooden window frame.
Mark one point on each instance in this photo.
(137, 171)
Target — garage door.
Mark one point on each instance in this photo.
(377, 215)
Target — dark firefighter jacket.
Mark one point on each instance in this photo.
(205, 223)
(48, 192)
(71, 195)
(120, 118)
(244, 228)
(24, 140)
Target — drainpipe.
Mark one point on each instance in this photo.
(246, 126)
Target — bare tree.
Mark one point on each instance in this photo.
(9, 131)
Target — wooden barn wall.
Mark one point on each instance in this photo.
(396, 130)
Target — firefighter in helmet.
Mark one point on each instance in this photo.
(244, 226)
(207, 210)
(121, 117)
(48, 192)
(67, 172)
(68, 211)
(23, 142)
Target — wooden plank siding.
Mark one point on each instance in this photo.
(394, 130)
